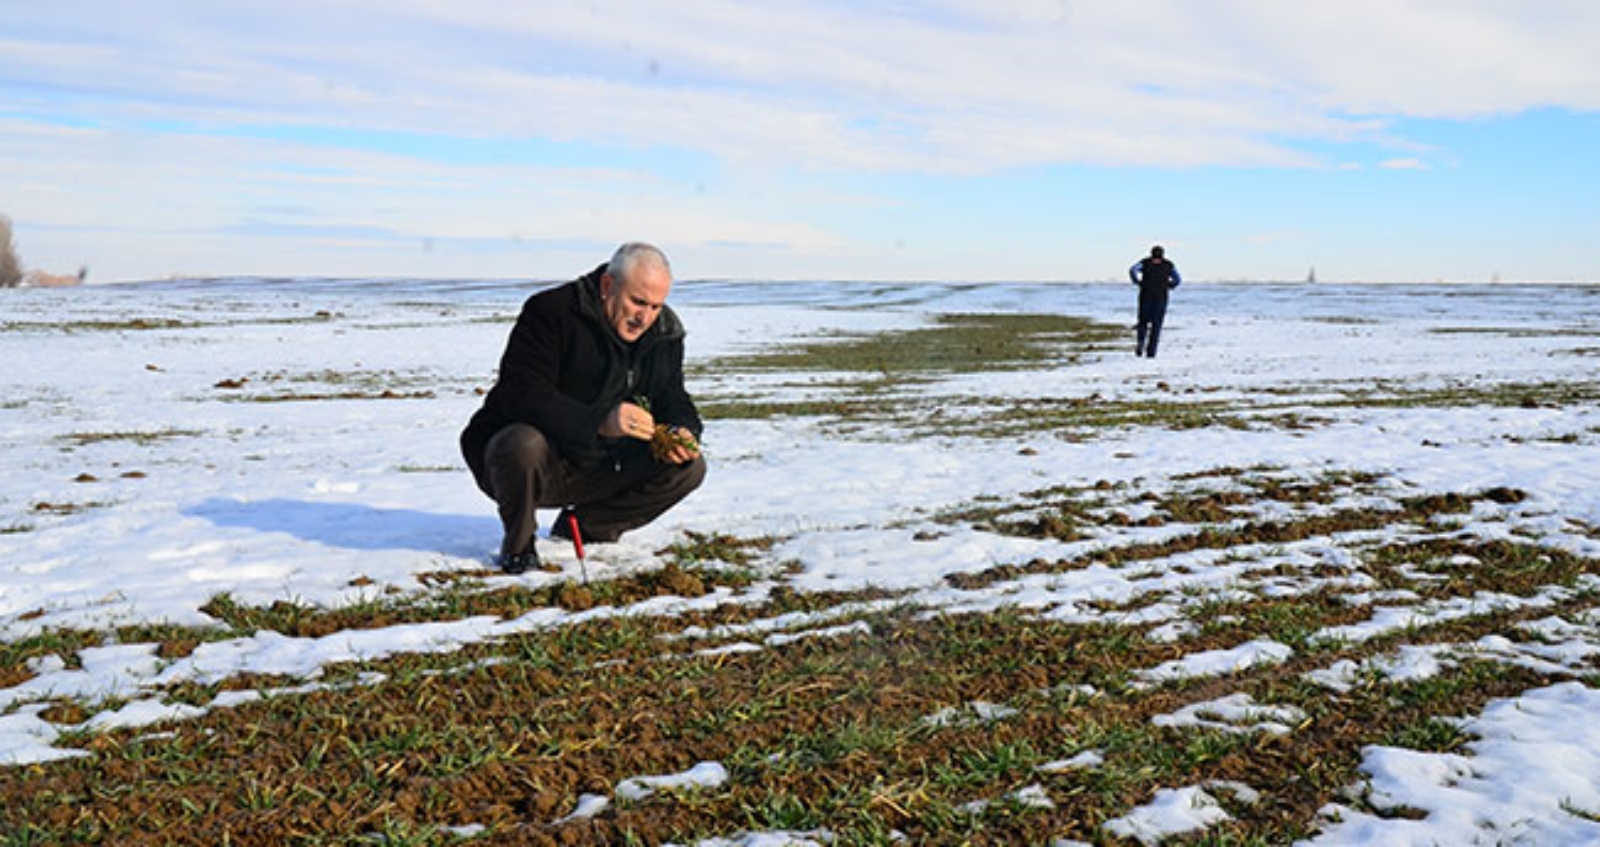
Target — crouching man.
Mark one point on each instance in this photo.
(589, 412)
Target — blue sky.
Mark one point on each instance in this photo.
(1372, 140)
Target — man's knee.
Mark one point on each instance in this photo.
(517, 445)
(676, 482)
(694, 473)
(514, 452)
(681, 480)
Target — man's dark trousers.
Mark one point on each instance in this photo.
(523, 472)
(1152, 311)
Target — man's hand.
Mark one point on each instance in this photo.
(628, 420)
(674, 444)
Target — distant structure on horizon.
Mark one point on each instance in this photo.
(1312, 276)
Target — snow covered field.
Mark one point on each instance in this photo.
(295, 440)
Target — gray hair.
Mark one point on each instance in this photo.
(633, 254)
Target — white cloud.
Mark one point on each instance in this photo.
(176, 113)
(954, 86)
(1420, 58)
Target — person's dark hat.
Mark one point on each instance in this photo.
(1157, 252)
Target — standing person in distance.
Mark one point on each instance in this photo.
(1155, 276)
(590, 369)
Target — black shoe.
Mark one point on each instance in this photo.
(562, 529)
(521, 562)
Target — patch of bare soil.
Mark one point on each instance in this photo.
(829, 733)
(895, 726)
(1220, 528)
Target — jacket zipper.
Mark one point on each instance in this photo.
(627, 395)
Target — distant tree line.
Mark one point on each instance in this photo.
(10, 265)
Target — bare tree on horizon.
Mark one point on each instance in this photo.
(10, 265)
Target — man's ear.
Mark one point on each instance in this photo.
(605, 285)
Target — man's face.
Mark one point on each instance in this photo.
(633, 304)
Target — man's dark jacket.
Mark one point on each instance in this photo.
(1155, 277)
(565, 369)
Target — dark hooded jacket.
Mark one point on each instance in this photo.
(565, 369)
(1155, 276)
